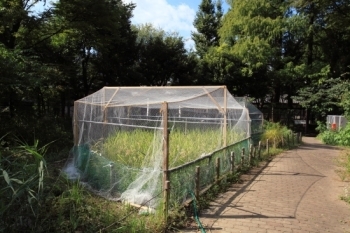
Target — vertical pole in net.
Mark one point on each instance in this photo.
(225, 117)
(259, 150)
(75, 124)
(164, 111)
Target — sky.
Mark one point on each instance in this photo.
(169, 15)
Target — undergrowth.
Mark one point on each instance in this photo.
(343, 171)
(34, 197)
(339, 138)
(334, 137)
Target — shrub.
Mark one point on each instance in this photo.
(339, 138)
(275, 131)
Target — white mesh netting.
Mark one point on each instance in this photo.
(118, 135)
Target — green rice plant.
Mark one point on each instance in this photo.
(131, 148)
(128, 147)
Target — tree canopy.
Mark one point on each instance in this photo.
(271, 51)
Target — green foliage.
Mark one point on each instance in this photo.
(340, 138)
(22, 182)
(275, 132)
(323, 97)
(345, 98)
(207, 22)
(31, 200)
(161, 58)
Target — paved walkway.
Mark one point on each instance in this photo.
(298, 191)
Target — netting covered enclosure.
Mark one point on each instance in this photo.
(126, 139)
(336, 122)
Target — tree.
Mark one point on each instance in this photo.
(162, 58)
(99, 36)
(207, 22)
(19, 64)
(326, 55)
(254, 30)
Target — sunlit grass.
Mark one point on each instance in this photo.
(132, 148)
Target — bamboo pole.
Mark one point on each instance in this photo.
(167, 195)
(164, 111)
(259, 150)
(75, 124)
(232, 162)
(225, 117)
(198, 169)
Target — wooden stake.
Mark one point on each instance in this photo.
(250, 154)
(198, 169)
(164, 111)
(232, 162)
(267, 146)
(166, 203)
(242, 157)
(217, 166)
(254, 152)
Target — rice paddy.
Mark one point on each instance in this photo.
(135, 148)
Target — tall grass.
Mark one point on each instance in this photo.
(275, 132)
(33, 201)
(22, 185)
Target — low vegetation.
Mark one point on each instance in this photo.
(335, 137)
(339, 137)
(36, 197)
